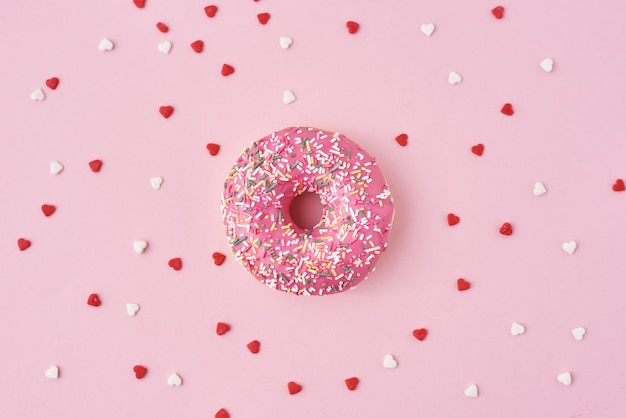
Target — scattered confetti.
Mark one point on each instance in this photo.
(454, 78)
(471, 391)
(293, 388)
(38, 95)
(285, 42)
(140, 3)
(52, 83)
(105, 45)
(453, 219)
(132, 309)
(389, 362)
(507, 109)
(56, 167)
(506, 229)
(23, 244)
(547, 65)
(565, 378)
(52, 372)
(352, 382)
(402, 140)
(174, 380)
(140, 246)
(166, 111)
(420, 334)
(213, 149)
(162, 27)
(227, 70)
(478, 149)
(619, 186)
(175, 263)
(579, 333)
(93, 300)
(539, 189)
(353, 27)
(197, 46)
(210, 10)
(165, 47)
(156, 182)
(222, 328)
(517, 329)
(427, 28)
(95, 165)
(288, 97)
(140, 371)
(498, 12)
(222, 413)
(569, 247)
(254, 346)
(263, 18)
(218, 258)
(462, 284)
(48, 209)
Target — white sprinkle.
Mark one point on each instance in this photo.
(105, 45)
(52, 372)
(140, 246)
(547, 64)
(539, 189)
(471, 391)
(565, 378)
(389, 362)
(570, 247)
(579, 333)
(132, 308)
(517, 329)
(285, 42)
(38, 95)
(55, 167)
(454, 78)
(165, 47)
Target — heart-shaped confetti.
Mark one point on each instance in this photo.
(222, 413)
(227, 70)
(565, 378)
(517, 329)
(547, 64)
(427, 28)
(539, 189)
(353, 27)
(285, 42)
(140, 246)
(175, 263)
(166, 111)
(462, 284)
(498, 12)
(52, 83)
(352, 382)
(38, 95)
(263, 18)
(389, 362)
(293, 388)
(579, 333)
(52, 372)
(222, 328)
(402, 139)
(162, 27)
(156, 182)
(132, 309)
(506, 229)
(197, 46)
(254, 346)
(478, 149)
(93, 300)
(619, 186)
(218, 258)
(210, 10)
(569, 247)
(23, 244)
(48, 209)
(454, 78)
(95, 165)
(288, 97)
(174, 380)
(165, 47)
(140, 371)
(105, 45)
(420, 334)
(140, 3)
(55, 167)
(507, 109)
(213, 149)
(453, 219)
(471, 391)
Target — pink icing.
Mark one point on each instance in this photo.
(337, 253)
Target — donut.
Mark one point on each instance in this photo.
(343, 247)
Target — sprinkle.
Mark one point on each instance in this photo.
(222, 328)
(353, 27)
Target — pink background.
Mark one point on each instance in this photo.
(567, 131)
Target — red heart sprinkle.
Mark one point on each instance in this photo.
(227, 70)
(462, 285)
(175, 263)
(619, 185)
(52, 83)
(213, 148)
(93, 300)
(453, 219)
(507, 109)
(506, 229)
(166, 111)
(222, 413)
(263, 18)
(293, 388)
(95, 165)
(352, 382)
(197, 46)
(23, 244)
(498, 12)
(402, 139)
(48, 209)
(353, 27)
(254, 346)
(162, 27)
(420, 334)
(140, 371)
(218, 258)
(478, 149)
(222, 328)
(140, 3)
(210, 10)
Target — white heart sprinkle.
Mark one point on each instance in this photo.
(454, 78)
(140, 246)
(539, 189)
(105, 45)
(52, 372)
(288, 97)
(471, 391)
(570, 247)
(38, 95)
(156, 182)
(389, 362)
(565, 378)
(547, 64)
(174, 380)
(165, 47)
(517, 329)
(285, 42)
(579, 333)
(427, 28)
(132, 308)
(55, 167)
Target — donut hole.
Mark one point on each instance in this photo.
(306, 210)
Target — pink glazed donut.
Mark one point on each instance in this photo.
(343, 247)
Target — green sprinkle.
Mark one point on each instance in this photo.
(294, 165)
(239, 241)
(283, 277)
(269, 189)
(336, 167)
(324, 274)
(280, 216)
